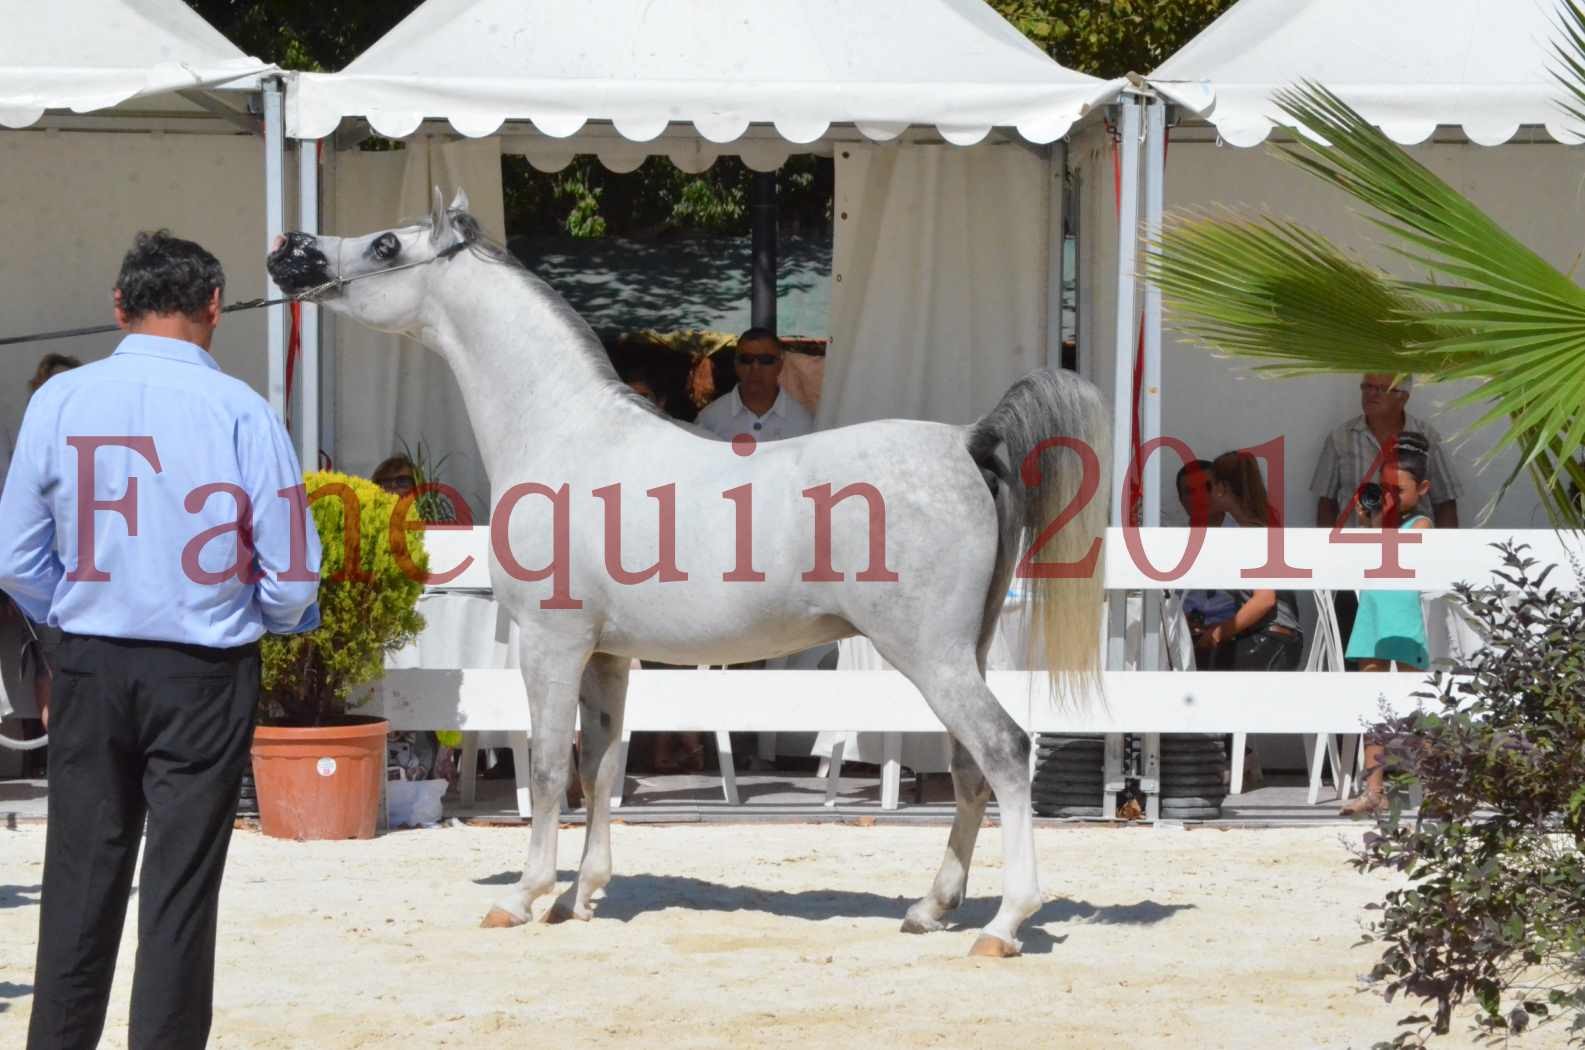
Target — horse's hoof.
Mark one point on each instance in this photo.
(993, 947)
(500, 919)
(912, 924)
(560, 913)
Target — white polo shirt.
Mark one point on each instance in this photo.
(726, 417)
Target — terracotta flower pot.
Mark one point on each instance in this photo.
(320, 782)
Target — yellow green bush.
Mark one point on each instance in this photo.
(368, 598)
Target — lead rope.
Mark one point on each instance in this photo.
(309, 295)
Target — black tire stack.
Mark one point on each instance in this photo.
(1069, 775)
(1193, 776)
(248, 796)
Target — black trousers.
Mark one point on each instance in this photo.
(1346, 605)
(138, 731)
(1259, 651)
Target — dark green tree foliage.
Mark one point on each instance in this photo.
(317, 35)
(1108, 38)
(586, 200)
(1493, 909)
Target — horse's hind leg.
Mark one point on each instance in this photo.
(971, 713)
(946, 893)
(553, 682)
(602, 701)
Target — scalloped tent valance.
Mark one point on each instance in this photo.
(86, 55)
(1411, 66)
(719, 65)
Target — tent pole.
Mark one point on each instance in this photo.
(274, 226)
(1150, 392)
(327, 320)
(762, 214)
(1056, 256)
(1150, 384)
(308, 222)
(1127, 309)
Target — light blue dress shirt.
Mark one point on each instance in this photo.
(172, 575)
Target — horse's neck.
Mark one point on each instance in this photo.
(533, 377)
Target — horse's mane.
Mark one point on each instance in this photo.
(485, 248)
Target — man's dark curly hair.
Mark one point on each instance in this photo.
(163, 274)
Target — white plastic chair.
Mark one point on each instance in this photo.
(1326, 653)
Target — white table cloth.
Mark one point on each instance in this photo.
(461, 629)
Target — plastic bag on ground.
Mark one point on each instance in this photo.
(414, 803)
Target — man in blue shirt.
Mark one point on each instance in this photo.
(153, 512)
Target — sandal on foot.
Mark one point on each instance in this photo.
(1366, 805)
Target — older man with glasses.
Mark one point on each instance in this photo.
(1351, 456)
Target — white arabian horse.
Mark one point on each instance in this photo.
(587, 476)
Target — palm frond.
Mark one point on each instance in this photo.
(1517, 321)
(1563, 502)
(1272, 291)
(1275, 291)
(1571, 51)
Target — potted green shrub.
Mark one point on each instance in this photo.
(318, 770)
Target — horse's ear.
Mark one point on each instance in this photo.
(460, 201)
(439, 219)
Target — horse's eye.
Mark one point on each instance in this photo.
(386, 247)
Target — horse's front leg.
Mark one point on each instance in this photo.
(552, 680)
(602, 703)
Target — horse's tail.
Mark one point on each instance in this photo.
(1048, 427)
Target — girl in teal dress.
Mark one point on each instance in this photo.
(1389, 628)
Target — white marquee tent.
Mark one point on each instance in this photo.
(1412, 66)
(945, 274)
(89, 55)
(799, 65)
(1465, 83)
(120, 115)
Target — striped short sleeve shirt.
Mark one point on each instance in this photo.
(1349, 452)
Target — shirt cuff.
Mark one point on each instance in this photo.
(307, 622)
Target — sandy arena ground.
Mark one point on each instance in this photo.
(772, 936)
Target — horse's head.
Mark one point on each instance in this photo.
(377, 278)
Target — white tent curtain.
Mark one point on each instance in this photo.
(939, 301)
(390, 389)
(77, 218)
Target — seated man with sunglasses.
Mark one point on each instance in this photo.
(757, 406)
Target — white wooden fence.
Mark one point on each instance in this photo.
(1317, 704)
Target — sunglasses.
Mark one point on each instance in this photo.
(1373, 388)
(757, 359)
